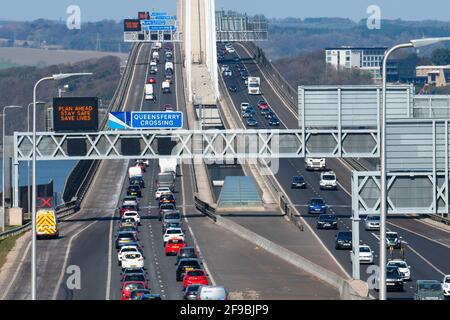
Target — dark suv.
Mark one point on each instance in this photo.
(344, 240)
(185, 265)
(298, 182)
(139, 181)
(327, 221)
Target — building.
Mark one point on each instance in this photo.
(438, 76)
(365, 59)
(402, 71)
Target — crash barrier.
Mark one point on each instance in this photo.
(346, 291)
(205, 208)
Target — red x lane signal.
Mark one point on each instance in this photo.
(45, 202)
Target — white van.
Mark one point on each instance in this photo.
(212, 293)
(149, 93)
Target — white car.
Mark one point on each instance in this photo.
(365, 254)
(132, 261)
(130, 201)
(446, 285)
(227, 73)
(125, 250)
(244, 106)
(315, 164)
(132, 215)
(402, 267)
(162, 190)
(328, 180)
(231, 50)
(225, 68)
(173, 233)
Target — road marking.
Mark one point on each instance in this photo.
(426, 261)
(110, 240)
(376, 237)
(66, 258)
(420, 235)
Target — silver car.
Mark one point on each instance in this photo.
(372, 222)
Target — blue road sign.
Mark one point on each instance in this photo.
(155, 22)
(160, 28)
(158, 14)
(145, 120)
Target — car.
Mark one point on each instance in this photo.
(125, 238)
(145, 162)
(185, 265)
(141, 165)
(246, 114)
(428, 290)
(298, 182)
(195, 277)
(244, 106)
(127, 207)
(343, 240)
(134, 215)
(166, 207)
(151, 80)
(269, 115)
(186, 252)
(162, 190)
(224, 67)
(166, 226)
(228, 73)
(150, 297)
(315, 164)
(327, 221)
(125, 223)
(232, 89)
(129, 271)
(328, 180)
(167, 107)
(137, 294)
(134, 277)
(173, 233)
(134, 190)
(191, 292)
(264, 112)
(372, 222)
(274, 122)
(130, 201)
(446, 285)
(126, 249)
(317, 205)
(171, 217)
(231, 50)
(212, 293)
(403, 267)
(166, 198)
(173, 246)
(394, 280)
(129, 229)
(244, 77)
(393, 240)
(138, 181)
(365, 254)
(252, 122)
(128, 287)
(132, 260)
(130, 243)
(262, 103)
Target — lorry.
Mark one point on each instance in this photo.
(135, 171)
(46, 224)
(253, 84)
(149, 93)
(168, 165)
(166, 87)
(166, 179)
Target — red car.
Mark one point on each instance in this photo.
(126, 208)
(151, 80)
(128, 287)
(263, 105)
(195, 277)
(173, 246)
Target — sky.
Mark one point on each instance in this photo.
(94, 10)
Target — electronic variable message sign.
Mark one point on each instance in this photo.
(132, 25)
(142, 15)
(75, 114)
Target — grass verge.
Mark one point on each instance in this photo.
(5, 247)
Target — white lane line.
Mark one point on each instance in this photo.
(66, 258)
(17, 271)
(426, 261)
(376, 237)
(110, 240)
(210, 276)
(419, 235)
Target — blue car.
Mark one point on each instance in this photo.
(274, 122)
(317, 205)
(251, 122)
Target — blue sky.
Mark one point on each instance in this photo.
(93, 10)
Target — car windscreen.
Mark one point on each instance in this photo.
(174, 231)
(329, 177)
(299, 179)
(345, 235)
(167, 206)
(127, 235)
(134, 286)
(398, 264)
(187, 252)
(193, 288)
(134, 188)
(195, 273)
(373, 218)
(364, 249)
(328, 217)
(430, 287)
(190, 264)
(316, 202)
(132, 256)
(135, 277)
(391, 236)
(392, 273)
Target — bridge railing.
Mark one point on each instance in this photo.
(205, 208)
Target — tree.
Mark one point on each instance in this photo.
(441, 56)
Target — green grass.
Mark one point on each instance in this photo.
(5, 247)
(6, 65)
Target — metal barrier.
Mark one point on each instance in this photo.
(205, 208)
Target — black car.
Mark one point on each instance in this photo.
(134, 190)
(273, 121)
(233, 89)
(128, 271)
(394, 280)
(327, 221)
(344, 240)
(150, 297)
(298, 182)
(186, 252)
(166, 198)
(191, 292)
(187, 264)
(138, 180)
(269, 115)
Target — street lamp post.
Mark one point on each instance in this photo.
(417, 43)
(33, 201)
(3, 164)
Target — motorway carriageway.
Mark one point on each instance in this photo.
(429, 257)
